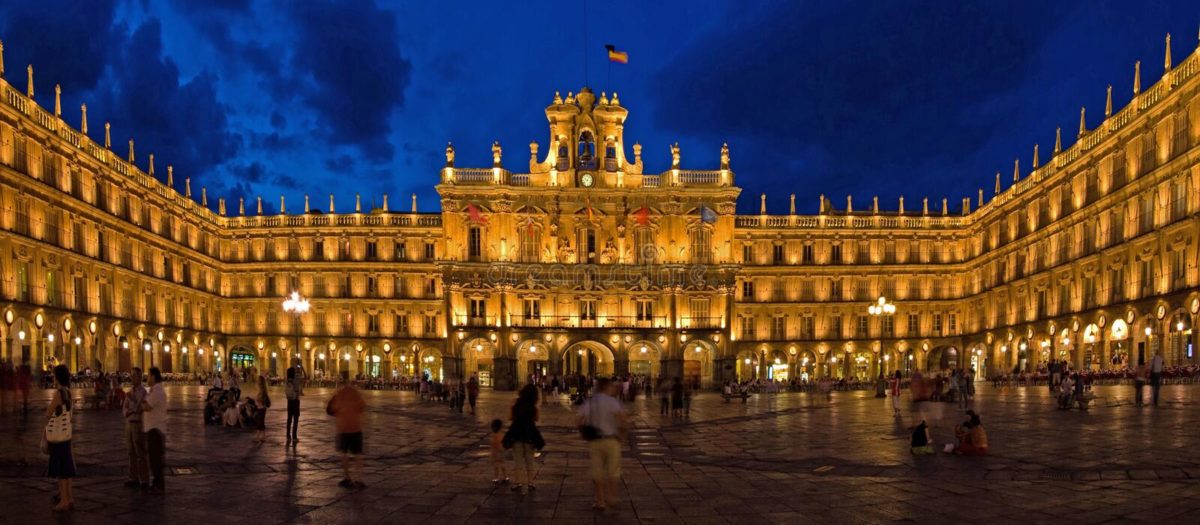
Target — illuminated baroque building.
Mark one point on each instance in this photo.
(584, 263)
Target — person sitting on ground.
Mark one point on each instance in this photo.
(972, 438)
(1066, 392)
(248, 413)
(211, 410)
(921, 444)
(230, 417)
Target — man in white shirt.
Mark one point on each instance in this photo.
(154, 421)
(1156, 370)
(607, 416)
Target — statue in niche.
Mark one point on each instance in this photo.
(565, 252)
(609, 253)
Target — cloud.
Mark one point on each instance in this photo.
(354, 74)
(67, 42)
(340, 164)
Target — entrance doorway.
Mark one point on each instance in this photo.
(241, 358)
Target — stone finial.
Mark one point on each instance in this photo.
(762, 204)
(901, 205)
(1057, 140)
(1108, 102)
(675, 156)
(1035, 161)
(496, 153)
(282, 205)
(242, 206)
(29, 82)
(979, 203)
(1082, 121)
(997, 192)
(449, 155)
(875, 205)
(1167, 58)
(357, 203)
(637, 152)
(170, 175)
(132, 157)
(966, 206)
(1, 58)
(187, 187)
(331, 209)
(306, 207)
(821, 204)
(570, 97)
(57, 100)
(533, 150)
(1137, 77)
(260, 208)
(925, 206)
(615, 102)
(945, 207)
(557, 98)
(414, 203)
(385, 206)
(849, 204)
(83, 118)
(603, 99)
(725, 156)
(792, 206)
(221, 207)
(150, 169)
(107, 136)
(204, 196)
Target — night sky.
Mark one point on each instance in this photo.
(871, 98)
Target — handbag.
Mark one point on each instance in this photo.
(587, 431)
(58, 427)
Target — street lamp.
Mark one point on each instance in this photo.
(296, 305)
(881, 309)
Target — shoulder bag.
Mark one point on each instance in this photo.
(58, 428)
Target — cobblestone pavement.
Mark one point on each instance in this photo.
(789, 458)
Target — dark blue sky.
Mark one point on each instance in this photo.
(872, 98)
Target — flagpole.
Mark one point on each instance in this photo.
(585, 44)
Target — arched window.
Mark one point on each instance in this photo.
(587, 151)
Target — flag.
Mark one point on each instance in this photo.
(529, 229)
(589, 210)
(642, 216)
(620, 57)
(707, 214)
(474, 216)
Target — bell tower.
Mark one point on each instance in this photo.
(586, 140)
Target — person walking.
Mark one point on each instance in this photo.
(135, 435)
(523, 436)
(602, 422)
(291, 390)
(347, 407)
(260, 415)
(154, 420)
(1156, 372)
(1139, 382)
(896, 393)
(58, 435)
(473, 391)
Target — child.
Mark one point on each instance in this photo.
(497, 453)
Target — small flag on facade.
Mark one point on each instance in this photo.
(530, 230)
(620, 57)
(474, 215)
(642, 216)
(590, 215)
(707, 214)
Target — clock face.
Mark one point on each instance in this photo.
(586, 180)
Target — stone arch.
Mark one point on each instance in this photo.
(944, 358)
(533, 360)
(479, 356)
(645, 358)
(588, 358)
(22, 335)
(746, 366)
(699, 358)
(431, 363)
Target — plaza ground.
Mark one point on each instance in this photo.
(789, 458)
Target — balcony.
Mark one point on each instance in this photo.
(700, 322)
(574, 321)
(474, 320)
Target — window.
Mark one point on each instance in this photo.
(429, 251)
(1116, 281)
(647, 251)
(533, 310)
(1178, 269)
(478, 309)
(401, 251)
(952, 323)
(835, 326)
(587, 310)
(835, 290)
(270, 285)
(779, 327)
(777, 254)
(372, 323)
(807, 254)
(863, 326)
(531, 243)
(372, 287)
(748, 328)
(835, 254)
(474, 243)
(1147, 213)
(888, 326)
(1147, 277)
(1041, 303)
(319, 250)
(372, 250)
(748, 290)
(914, 324)
(937, 324)
(586, 246)
(431, 287)
(807, 327)
(401, 324)
(645, 310)
(747, 253)
(700, 311)
(430, 324)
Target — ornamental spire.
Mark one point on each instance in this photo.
(282, 206)
(204, 196)
(1036, 161)
(1167, 58)
(151, 172)
(242, 206)
(1108, 103)
(385, 206)
(331, 203)
(1, 58)
(57, 100)
(83, 119)
(357, 203)
(792, 206)
(187, 185)
(131, 157)
(997, 191)
(1137, 77)
(762, 204)
(414, 203)
(1082, 121)
(1057, 140)
(259, 204)
(306, 207)
(901, 205)
(107, 136)
(1017, 170)
(29, 82)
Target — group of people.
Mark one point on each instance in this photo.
(457, 393)
(15, 383)
(970, 438)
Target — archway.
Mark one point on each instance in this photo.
(480, 354)
(943, 358)
(1091, 347)
(533, 361)
(1179, 334)
(430, 364)
(747, 366)
(863, 365)
(1118, 341)
(645, 358)
(589, 359)
(22, 342)
(698, 359)
(241, 357)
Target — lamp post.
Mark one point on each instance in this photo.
(881, 309)
(297, 306)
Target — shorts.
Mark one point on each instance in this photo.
(351, 443)
(606, 458)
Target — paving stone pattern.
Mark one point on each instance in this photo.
(787, 458)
